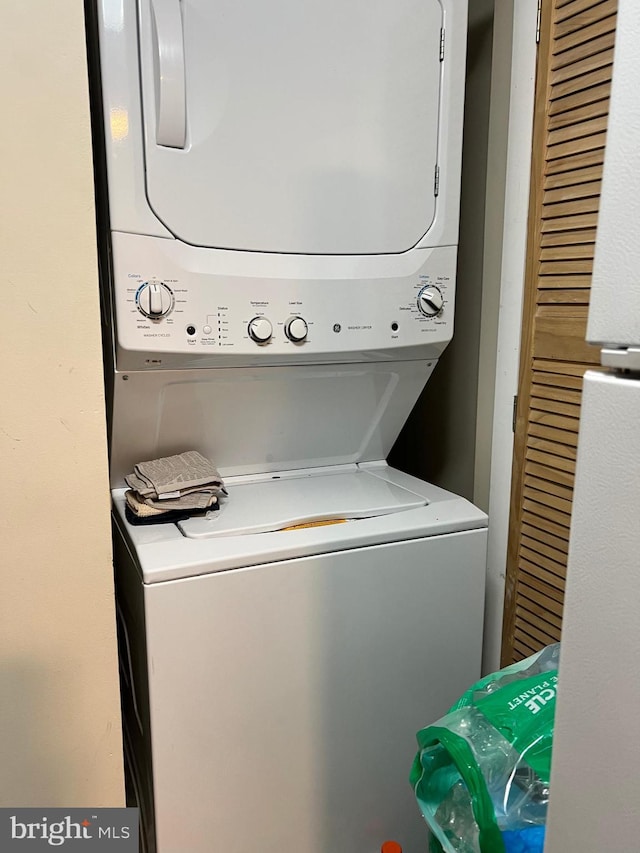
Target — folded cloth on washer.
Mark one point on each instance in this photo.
(149, 507)
(140, 512)
(171, 475)
(172, 488)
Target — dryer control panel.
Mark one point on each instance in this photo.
(175, 299)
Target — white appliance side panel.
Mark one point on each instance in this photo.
(614, 313)
(310, 127)
(595, 783)
(285, 698)
(257, 420)
(122, 115)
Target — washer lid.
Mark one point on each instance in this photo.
(301, 499)
(297, 126)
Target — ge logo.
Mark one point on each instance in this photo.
(337, 327)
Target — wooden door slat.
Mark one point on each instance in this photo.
(581, 83)
(568, 223)
(546, 524)
(569, 208)
(573, 191)
(592, 127)
(571, 161)
(573, 251)
(545, 499)
(535, 614)
(562, 395)
(568, 266)
(536, 632)
(533, 558)
(571, 57)
(563, 450)
(544, 366)
(590, 63)
(553, 520)
(551, 475)
(542, 574)
(555, 407)
(565, 118)
(558, 296)
(544, 549)
(551, 460)
(539, 619)
(521, 652)
(599, 35)
(549, 487)
(559, 436)
(567, 8)
(569, 238)
(558, 543)
(586, 18)
(570, 176)
(564, 282)
(535, 596)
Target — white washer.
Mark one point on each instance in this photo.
(276, 679)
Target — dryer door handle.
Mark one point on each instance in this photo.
(171, 106)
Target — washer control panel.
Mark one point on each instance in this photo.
(173, 299)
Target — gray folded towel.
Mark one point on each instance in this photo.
(184, 482)
(170, 474)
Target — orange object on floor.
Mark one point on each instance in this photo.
(391, 847)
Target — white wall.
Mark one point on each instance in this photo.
(513, 86)
(59, 707)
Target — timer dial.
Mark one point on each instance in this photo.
(430, 300)
(154, 300)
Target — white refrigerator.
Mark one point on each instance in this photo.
(595, 782)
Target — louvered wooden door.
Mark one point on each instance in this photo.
(572, 103)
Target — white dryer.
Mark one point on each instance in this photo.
(283, 190)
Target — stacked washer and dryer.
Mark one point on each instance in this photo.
(283, 191)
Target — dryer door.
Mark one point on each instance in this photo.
(298, 126)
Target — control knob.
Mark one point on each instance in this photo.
(296, 329)
(154, 300)
(430, 300)
(260, 330)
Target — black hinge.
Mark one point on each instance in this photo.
(514, 415)
(436, 182)
(442, 44)
(538, 21)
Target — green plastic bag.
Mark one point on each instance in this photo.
(481, 776)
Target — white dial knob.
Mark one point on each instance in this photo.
(154, 300)
(260, 330)
(430, 300)
(296, 329)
